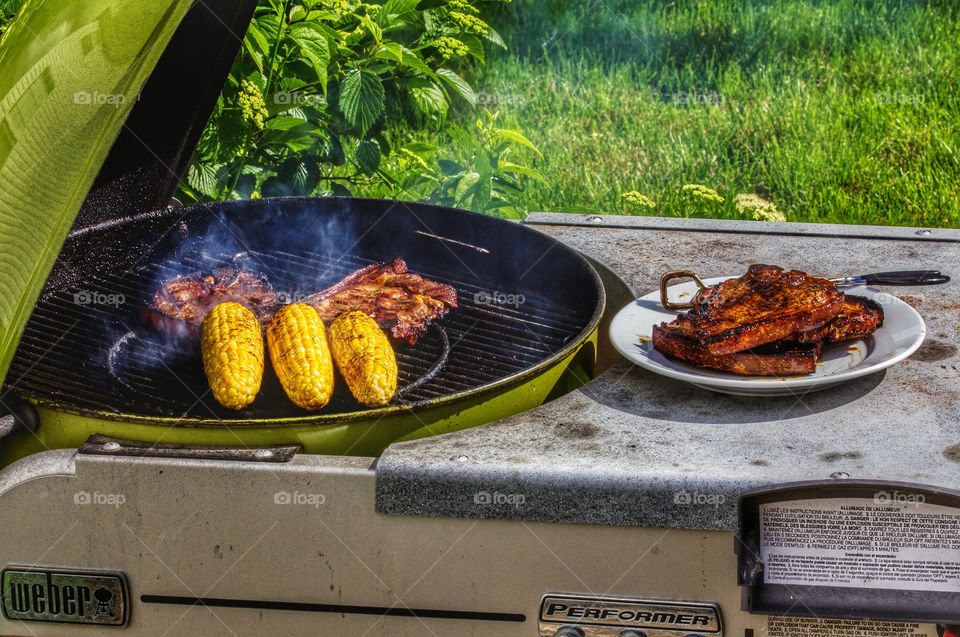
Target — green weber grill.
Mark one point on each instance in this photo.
(102, 105)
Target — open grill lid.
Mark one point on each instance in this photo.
(84, 136)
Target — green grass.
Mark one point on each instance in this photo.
(844, 112)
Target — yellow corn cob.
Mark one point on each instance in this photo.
(231, 346)
(364, 357)
(297, 340)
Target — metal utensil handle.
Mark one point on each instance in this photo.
(906, 277)
(665, 283)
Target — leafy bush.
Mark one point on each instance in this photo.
(328, 97)
(8, 9)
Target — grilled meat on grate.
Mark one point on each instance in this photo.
(401, 302)
(190, 297)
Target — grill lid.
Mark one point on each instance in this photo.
(73, 126)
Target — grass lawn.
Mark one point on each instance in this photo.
(844, 112)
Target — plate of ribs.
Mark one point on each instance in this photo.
(769, 332)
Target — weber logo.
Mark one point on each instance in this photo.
(76, 598)
(653, 616)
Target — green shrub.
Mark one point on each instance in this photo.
(328, 97)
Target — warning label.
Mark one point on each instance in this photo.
(890, 542)
(807, 627)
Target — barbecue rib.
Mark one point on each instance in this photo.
(859, 317)
(401, 302)
(783, 358)
(766, 304)
(190, 297)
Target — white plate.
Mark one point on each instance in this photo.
(902, 333)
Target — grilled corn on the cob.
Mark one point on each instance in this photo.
(231, 346)
(297, 340)
(364, 357)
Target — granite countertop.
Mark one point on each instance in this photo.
(634, 448)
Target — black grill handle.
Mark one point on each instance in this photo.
(899, 277)
(907, 277)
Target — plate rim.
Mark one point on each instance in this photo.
(759, 382)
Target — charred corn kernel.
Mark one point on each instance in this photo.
(364, 357)
(297, 340)
(231, 346)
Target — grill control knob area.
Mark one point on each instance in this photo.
(632, 633)
(569, 631)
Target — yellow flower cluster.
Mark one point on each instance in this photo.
(702, 192)
(758, 208)
(463, 6)
(638, 199)
(469, 23)
(253, 108)
(450, 47)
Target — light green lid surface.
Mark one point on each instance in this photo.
(70, 72)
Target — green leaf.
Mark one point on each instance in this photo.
(297, 13)
(368, 155)
(207, 179)
(449, 167)
(362, 99)
(466, 182)
(495, 38)
(339, 190)
(526, 171)
(427, 97)
(332, 151)
(372, 27)
(475, 47)
(515, 136)
(256, 44)
(398, 7)
(314, 48)
(283, 123)
(415, 62)
(424, 5)
(390, 51)
(459, 85)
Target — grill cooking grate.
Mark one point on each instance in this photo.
(87, 346)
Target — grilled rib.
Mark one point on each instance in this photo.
(783, 358)
(765, 305)
(858, 318)
(399, 301)
(190, 297)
